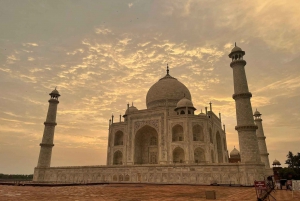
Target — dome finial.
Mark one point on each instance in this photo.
(234, 44)
(167, 69)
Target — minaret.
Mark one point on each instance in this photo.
(47, 141)
(245, 124)
(264, 155)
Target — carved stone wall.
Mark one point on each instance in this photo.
(244, 174)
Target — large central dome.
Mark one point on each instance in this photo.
(166, 92)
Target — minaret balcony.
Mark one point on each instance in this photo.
(242, 95)
(246, 128)
(50, 123)
(238, 63)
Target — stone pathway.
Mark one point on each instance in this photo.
(134, 192)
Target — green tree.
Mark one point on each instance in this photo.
(293, 161)
(293, 169)
(289, 173)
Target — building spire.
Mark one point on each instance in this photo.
(167, 69)
(264, 155)
(246, 127)
(48, 136)
(234, 44)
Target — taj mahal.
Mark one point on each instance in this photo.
(168, 142)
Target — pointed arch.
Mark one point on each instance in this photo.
(118, 156)
(224, 144)
(212, 156)
(146, 146)
(178, 155)
(177, 133)
(219, 147)
(118, 139)
(210, 136)
(127, 178)
(198, 133)
(199, 155)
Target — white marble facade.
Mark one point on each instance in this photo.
(169, 142)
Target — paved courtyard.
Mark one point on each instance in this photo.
(133, 192)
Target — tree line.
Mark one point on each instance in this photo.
(16, 176)
(293, 169)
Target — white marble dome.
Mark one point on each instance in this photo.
(236, 49)
(276, 162)
(256, 113)
(55, 92)
(131, 109)
(184, 102)
(234, 153)
(166, 92)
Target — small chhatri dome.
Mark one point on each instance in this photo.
(54, 94)
(131, 109)
(236, 48)
(256, 113)
(234, 153)
(184, 103)
(276, 162)
(166, 92)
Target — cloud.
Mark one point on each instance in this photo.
(111, 54)
(30, 44)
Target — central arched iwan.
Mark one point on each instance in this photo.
(146, 146)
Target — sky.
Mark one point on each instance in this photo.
(103, 54)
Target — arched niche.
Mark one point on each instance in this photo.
(210, 136)
(219, 147)
(118, 140)
(118, 157)
(145, 146)
(199, 155)
(198, 133)
(178, 155)
(177, 133)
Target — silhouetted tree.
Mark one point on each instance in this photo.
(293, 161)
(293, 169)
